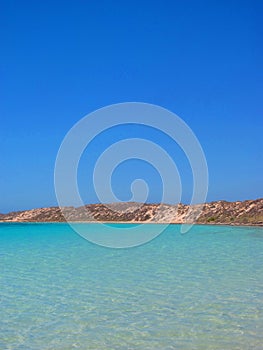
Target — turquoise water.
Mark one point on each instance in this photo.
(202, 290)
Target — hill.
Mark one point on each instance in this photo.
(249, 212)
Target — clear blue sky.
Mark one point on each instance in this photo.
(63, 59)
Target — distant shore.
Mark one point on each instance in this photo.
(130, 222)
(239, 213)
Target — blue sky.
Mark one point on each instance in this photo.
(63, 59)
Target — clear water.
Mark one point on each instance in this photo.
(202, 290)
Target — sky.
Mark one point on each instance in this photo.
(61, 60)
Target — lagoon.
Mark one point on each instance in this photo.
(200, 290)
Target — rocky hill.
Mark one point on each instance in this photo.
(248, 212)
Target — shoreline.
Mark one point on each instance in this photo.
(132, 222)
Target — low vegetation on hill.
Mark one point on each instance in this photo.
(248, 212)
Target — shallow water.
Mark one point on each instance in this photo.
(201, 290)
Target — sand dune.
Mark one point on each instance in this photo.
(249, 212)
